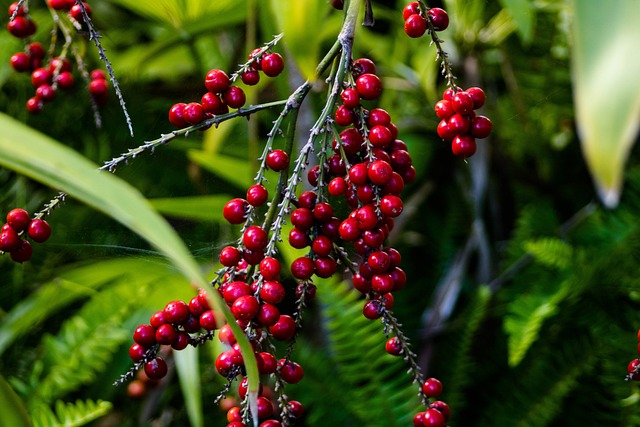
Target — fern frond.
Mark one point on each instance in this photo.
(75, 414)
(550, 252)
(526, 315)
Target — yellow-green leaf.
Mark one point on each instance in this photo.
(12, 410)
(606, 91)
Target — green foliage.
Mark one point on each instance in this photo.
(75, 414)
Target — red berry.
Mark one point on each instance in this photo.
(217, 81)
(234, 97)
(439, 18)
(137, 352)
(344, 116)
(372, 309)
(18, 219)
(478, 96)
(298, 239)
(61, 4)
(284, 329)
(415, 26)
(325, 267)
(65, 80)
(443, 408)
(235, 211)
(12, 9)
(337, 186)
(270, 268)
(22, 253)
(21, 27)
(323, 212)
(296, 408)
(255, 238)
(378, 116)
(272, 292)
(481, 127)
(410, 9)
(463, 146)
(176, 312)
(166, 334)
(9, 239)
(322, 246)
(350, 98)
(379, 172)
(250, 77)
(272, 64)
(302, 268)
(41, 76)
(459, 124)
(193, 113)
(291, 372)
(229, 256)
(208, 320)
(20, 62)
(46, 93)
(393, 346)
(462, 102)
(432, 387)
(269, 363)
(156, 368)
(212, 103)
(380, 136)
(76, 12)
(60, 64)
(369, 86)
(39, 230)
(417, 419)
(277, 160)
(145, 335)
(176, 115)
(363, 66)
(444, 130)
(391, 205)
(98, 87)
(234, 290)
(444, 109)
(245, 308)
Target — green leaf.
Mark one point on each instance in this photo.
(201, 208)
(526, 316)
(233, 170)
(12, 410)
(188, 368)
(37, 156)
(606, 90)
(521, 11)
(550, 252)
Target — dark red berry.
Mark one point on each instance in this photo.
(372, 309)
(369, 86)
(234, 97)
(137, 352)
(481, 127)
(393, 346)
(325, 267)
(166, 334)
(65, 80)
(22, 253)
(234, 290)
(432, 387)
(337, 4)
(439, 18)
(217, 81)
(415, 26)
(410, 9)
(46, 93)
(76, 12)
(363, 66)
(20, 62)
(176, 115)
(21, 27)
(272, 292)
(284, 329)
(255, 238)
(462, 102)
(277, 160)
(18, 219)
(272, 64)
(337, 186)
(245, 308)
(478, 96)
(270, 268)
(9, 239)
(379, 172)
(250, 77)
(391, 205)
(35, 105)
(98, 87)
(229, 256)
(176, 312)
(208, 320)
(350, 98)
(41, 76)
(463, 146)
(13, 7)
(235, 211)
(298, 239)
(433, 418)
(193, 113)
(302, 268)
(156, 368)
(145, 335)
(344, 116)
(291, 372)
(39, 230)
(443, 408)
(380, 136)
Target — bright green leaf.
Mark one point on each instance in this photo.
(606, 91)
(12, 410)
(521, 11)
(200, 208)
(235, 171)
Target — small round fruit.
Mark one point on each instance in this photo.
(9, 240)
(98, 87)
(369, 86)
(250, 77)
(39, 230)
(415, 26)
(291, 372)
(193, 113)
(478, 96)
(255, 238)
(350, 98)
(18, 219)
(272, 64)
(20, 62)
(393, 346)
(432, 387)
(245, 308)
(302, 268)
(439, 18)
(363, 66)
(176, 312)
(22, 253)
(481, 127)
(462, 102)
(234, 97)
(217, 81)
(463, 146)
(277, 160)
(176, 116)
(65, 80)
(284, 329)
(156, 368)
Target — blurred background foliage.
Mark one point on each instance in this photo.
(522, 292)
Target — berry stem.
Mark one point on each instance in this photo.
(441, 54)
(21, 3)
(244, 67)
(95, 37)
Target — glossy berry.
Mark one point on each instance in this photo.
(20, 62)
(208, 320)
(391, 205)
(98, 87)
(234, 97)
(284, 329)
(463, 146)
(235, 211)
(478, 96)
(302, 268)
(137, 352)
(176, 312)
(462, 102)
(379, 172)
(22, 253)
(21, 27)
(13, 7)
(18, 219)
(291, 372)
(270, 268)
(61, 4)
(432, 387)
(277, 160)
(298, 239)
(156, 368)
(369, 86)
(344, 116)
(39, 230)
(444, 109)
(272, 292)
(459, 124)
(380, 136)
(217, 81)
(166, 334)
(439, 18)
(415, 26)
(255, 238)
(65, 80)
(363, 66)
(433, 418)
(76, 12)
(46, 93)
(9, 240)
(41, 76)
(350, 98)
(481, 127)
(412, 8)
(193, 113)
(229, 256)
(272, 64)
(145, 335)
(176, 116)
(250, 77)
(35, 105)
(337, 186)
(443, 408)
(372, 309)
(393, 346)
(245, 308)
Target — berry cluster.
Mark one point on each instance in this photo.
(222, 94)
(57, 72)
(438, 412)
(415, 20)
(19, 225)
(458, 120)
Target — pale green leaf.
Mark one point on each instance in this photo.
(188, 368)
(606, 89)
(522, 13)
(199, 208)
(12, 410)
(235, 171)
